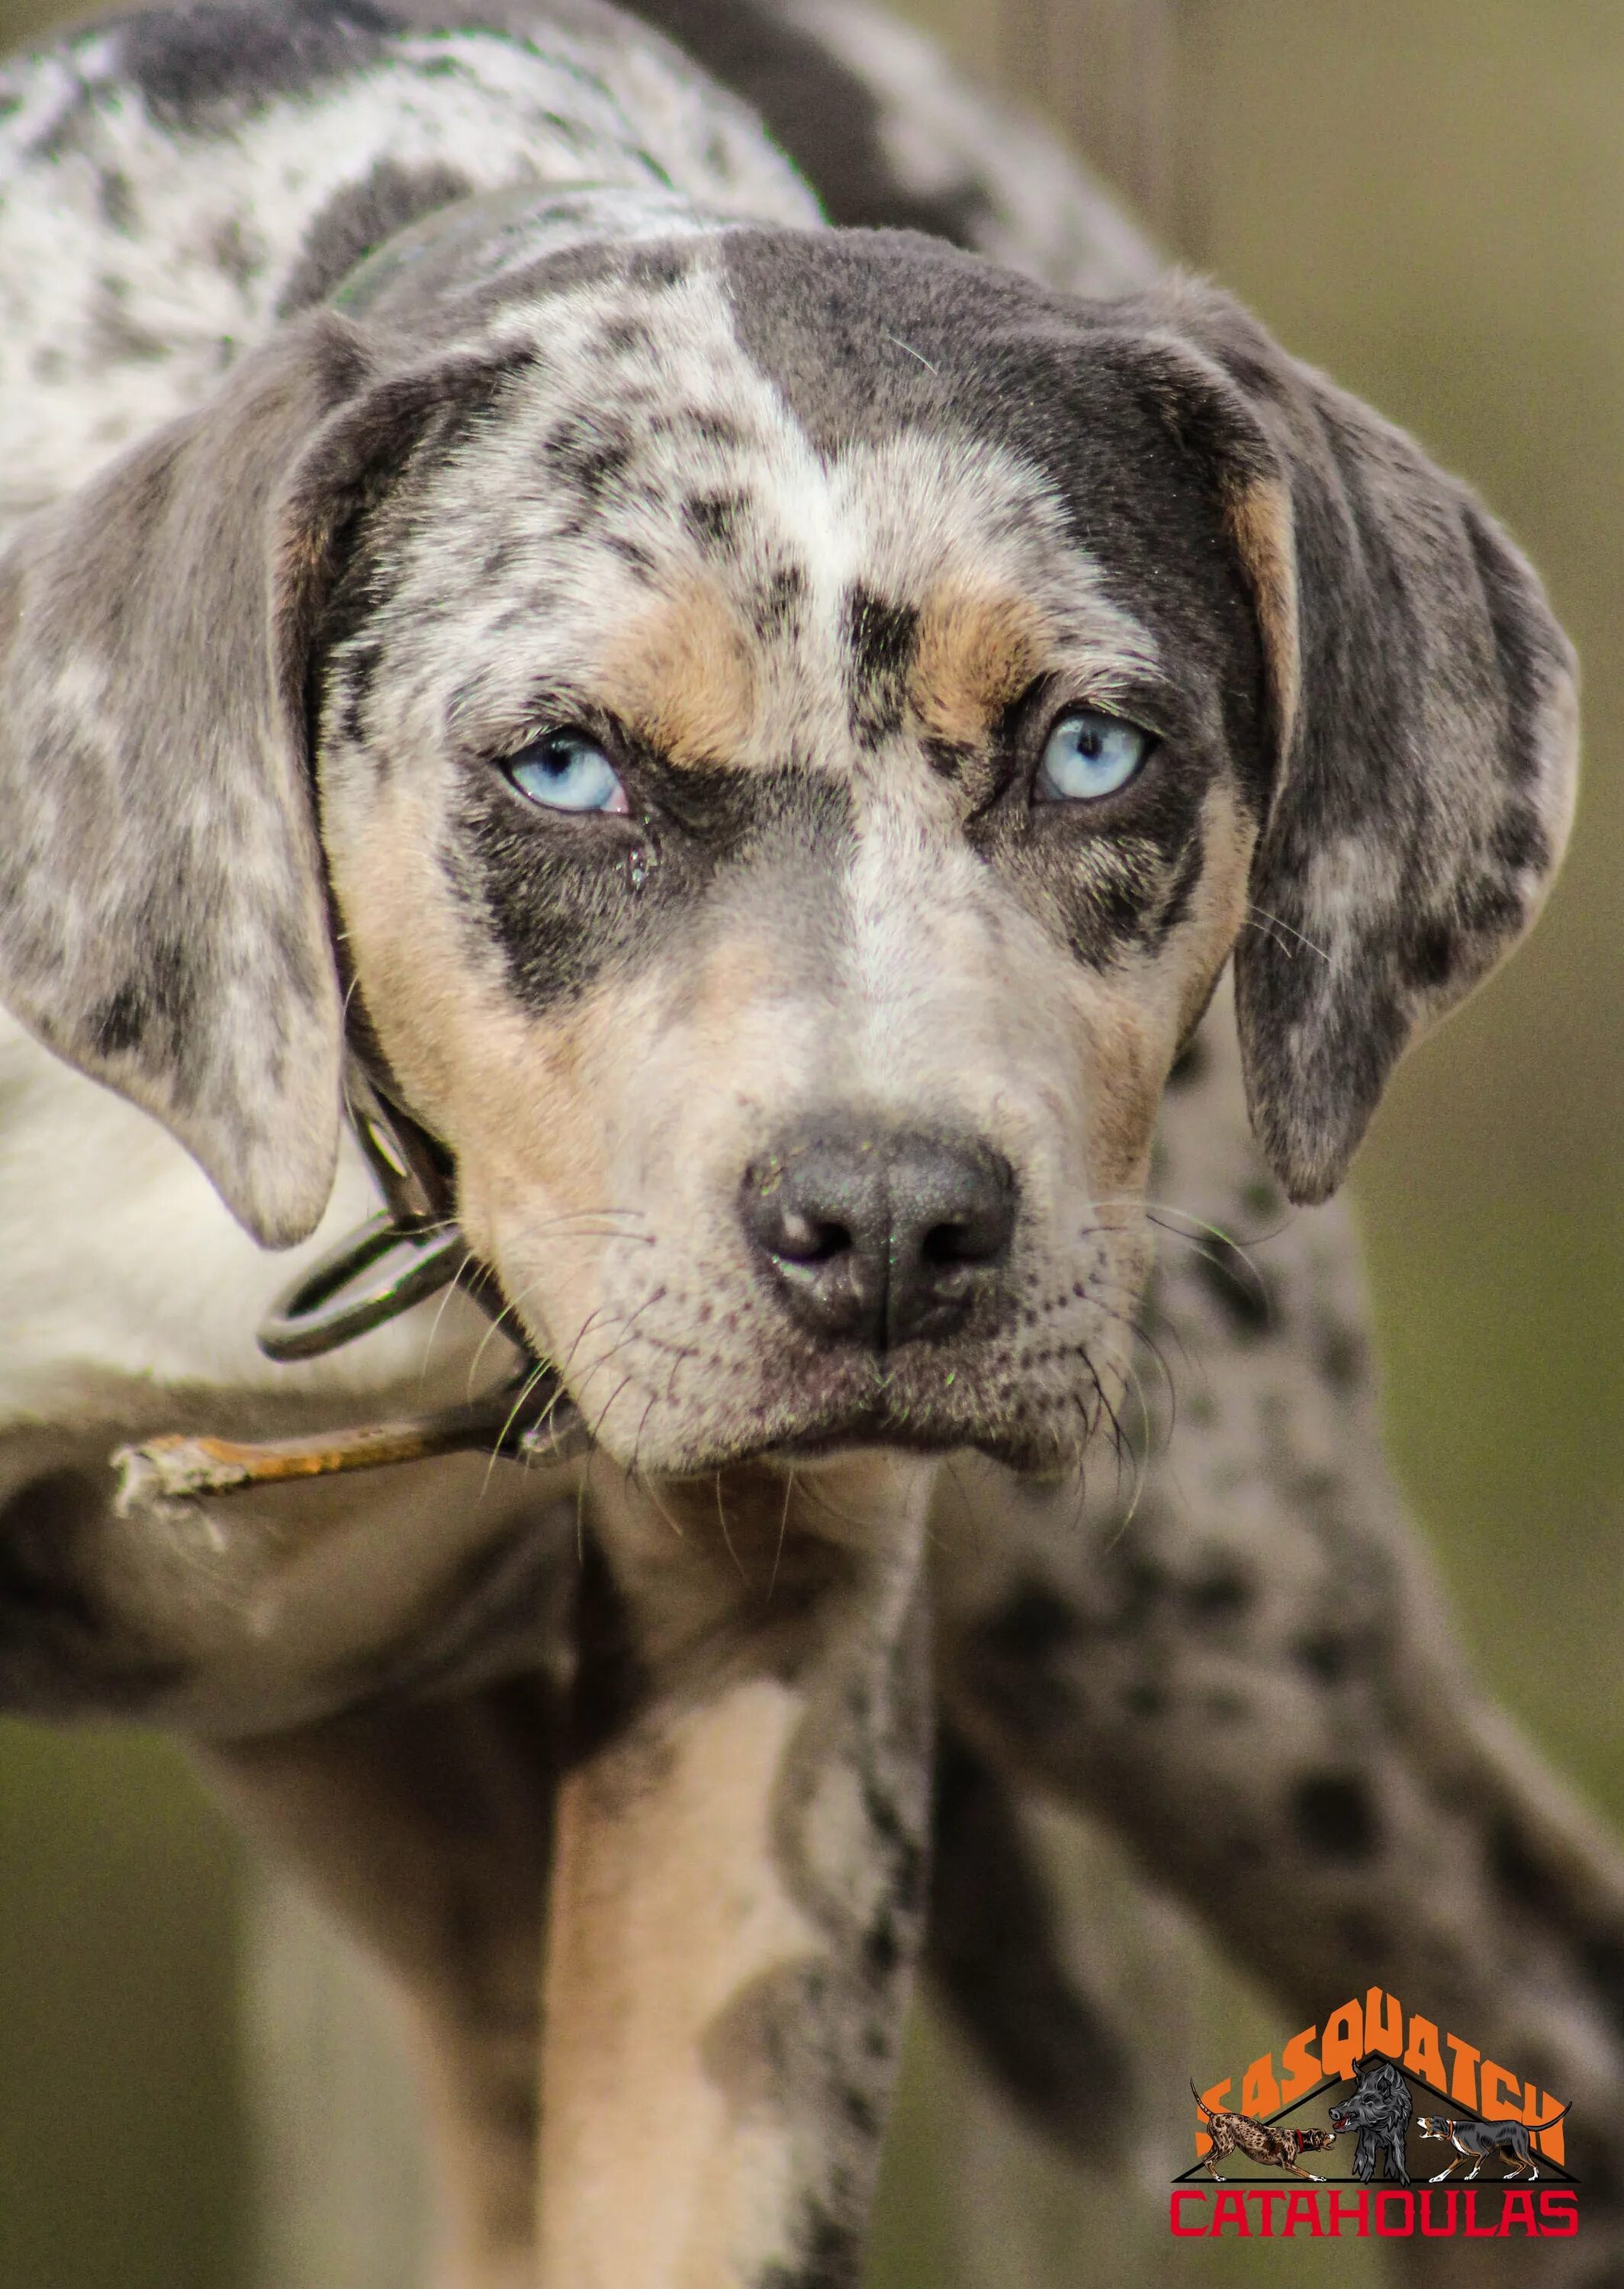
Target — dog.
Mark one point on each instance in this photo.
(1274, 2142)
(1378, 2108)
(762, 739)
(1475, 2141)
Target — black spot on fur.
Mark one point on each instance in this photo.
(774, 607)
(994, 1949)
(1231, 1281)
(819, 112)
(360, 219)
(829, 2253)
(1180, 890)
(1334, 1815)
(1344, 1359)
(352, 682)
(882, 639)
(713, 518)
(610, 1680)
(152, 1009)
(1327, 1655)
(191, 61)
(116, 199)
(1221, 1593)
(1034, 1624)
(1520, 1874)
(589, 455)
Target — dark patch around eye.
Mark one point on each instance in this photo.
(564, 899)
(1180, 890)
(881, 639)
(1111, 890)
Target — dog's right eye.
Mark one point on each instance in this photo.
(568, 770)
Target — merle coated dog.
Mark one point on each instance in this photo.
(1275, 2142)
(763, 738)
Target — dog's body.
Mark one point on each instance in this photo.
(1277, 2143)
(603, 372)
(1475, 2141)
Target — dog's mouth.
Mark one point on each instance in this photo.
(809, 1408)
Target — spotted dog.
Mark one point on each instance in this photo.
(1274, 2142)
(1475, 2141)
(769, 736)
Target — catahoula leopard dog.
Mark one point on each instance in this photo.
(762, 731)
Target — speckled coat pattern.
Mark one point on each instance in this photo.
(378, 385)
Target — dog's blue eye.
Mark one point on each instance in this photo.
(1090, 754)
(566, 772)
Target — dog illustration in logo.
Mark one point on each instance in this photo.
(1378, 2108)
(1261, 2142)
(1475, 2141)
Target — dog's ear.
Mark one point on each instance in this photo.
(1423, 720)
(163, 919)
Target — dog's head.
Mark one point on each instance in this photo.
(798, 724)
(1430, 2125)
(1379, 2100)
(1313, 2141)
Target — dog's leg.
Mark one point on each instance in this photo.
(264, 1610)
(426, 1831)
(739, 1883)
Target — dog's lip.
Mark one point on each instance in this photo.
(870, 1422)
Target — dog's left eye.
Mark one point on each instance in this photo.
(566, 770)
(1089, 754)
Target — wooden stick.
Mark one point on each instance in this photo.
(539, 1427)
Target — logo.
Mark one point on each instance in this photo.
(1377, 2123)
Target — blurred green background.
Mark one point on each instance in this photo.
(1426, 197)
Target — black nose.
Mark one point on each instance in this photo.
(879, 1237)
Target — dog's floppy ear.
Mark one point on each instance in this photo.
(164, 922)
(1425, 727)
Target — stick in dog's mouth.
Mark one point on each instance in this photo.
(529, 1421)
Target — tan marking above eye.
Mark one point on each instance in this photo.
(977, 652)
(682, 677)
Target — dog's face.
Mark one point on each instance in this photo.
(1315, 2141)
(784, 866)
(1380, 2101)
(801, 723)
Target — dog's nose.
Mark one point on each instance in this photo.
(880, 1237)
